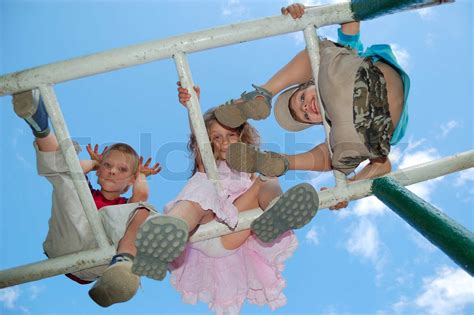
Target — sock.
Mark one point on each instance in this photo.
(121, 257)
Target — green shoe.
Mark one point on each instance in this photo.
(160, 240)
(246, 158)
(234, 114)
(293, 210)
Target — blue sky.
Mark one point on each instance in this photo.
(362, 260)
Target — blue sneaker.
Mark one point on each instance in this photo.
(29, 106)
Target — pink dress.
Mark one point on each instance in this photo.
(252, 272)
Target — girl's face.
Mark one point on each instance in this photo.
(115, 171)
(221, 137)
(304, 105)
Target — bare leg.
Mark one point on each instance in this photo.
(258, 195)
(127, 242)
(48, 143)
(317, 159)
(190, 212)
(297, 71)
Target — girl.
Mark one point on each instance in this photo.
(226, 270)
(364, 96)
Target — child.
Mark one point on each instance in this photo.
(364, 97)
(69, 232)
(226, 270)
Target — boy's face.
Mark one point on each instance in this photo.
(304, 105)
(115, 171)
(221, 137)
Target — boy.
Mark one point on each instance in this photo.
(117, 168)
(364, 97)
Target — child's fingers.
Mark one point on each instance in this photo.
(148, 161)
(284, 11)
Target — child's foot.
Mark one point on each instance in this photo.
(29, 106)
(117, 284)
(293, 210)
(160, 240)
(256, 105)
(245, 158)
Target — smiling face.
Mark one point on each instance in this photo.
(304, 106)
(116, 171)
(221, 137)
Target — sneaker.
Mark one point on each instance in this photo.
(29, 106)
(117, 284)
(255, 105)
(293, 210)
(246, 158)
(160, 240)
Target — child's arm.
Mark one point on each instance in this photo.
(93, 163)
(349, 35)
(375, 168)
(140, 186)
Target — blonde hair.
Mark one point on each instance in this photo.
(127, 150)
(247, 134)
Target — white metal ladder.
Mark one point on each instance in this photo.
(44, 77)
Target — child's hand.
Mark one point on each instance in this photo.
(296, 10)
(183, 94)
(94, 154)
(339, 205)
(145, 169)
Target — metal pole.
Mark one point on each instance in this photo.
(353, 191)
(327, 198)
(364, 10)
(312, 46)
(197, 122)
(119, 58)
(452, 238)
(72, 161)
(55, 266)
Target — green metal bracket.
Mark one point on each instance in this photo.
(369, 9)
(452, 238)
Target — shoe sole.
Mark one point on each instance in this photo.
(293, 210)
(25, 104)
(160, 240)
(235, 114)
(114, 286)
(245, 158)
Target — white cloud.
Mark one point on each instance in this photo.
(9, 297)
(430, 40)
(34, 291)
(446, 293)
(464, 176)
(363, 241)
(420, 241)
(446, 128)
(426, 188)
(369, 206)
(234, 8)
(312, 236)
(426, 14)
(402, 55)
(322, 179)
(418, 157)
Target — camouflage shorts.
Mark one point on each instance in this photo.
(371, 113)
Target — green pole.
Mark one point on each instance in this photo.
(452, 238)
(369, 9)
